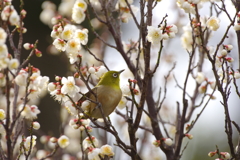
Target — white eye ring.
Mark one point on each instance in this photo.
(115, 75)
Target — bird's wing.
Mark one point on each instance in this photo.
(89, 95)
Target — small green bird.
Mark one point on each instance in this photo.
(108, 93)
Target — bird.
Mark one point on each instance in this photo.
(107, 93)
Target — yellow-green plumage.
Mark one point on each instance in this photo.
(108, 94)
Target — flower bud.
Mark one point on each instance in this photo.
(156, 143)
(200, 77)
(23, 13)
(38, 53)
(229, 59)
(168, 141)
(224, 52)
(189, 136)
(236, 75)
(58, 78)
(202, 89)
(53, 139)
(36, 125)
(91, 70)
(211, 154)
(28, 46)
(225, 155)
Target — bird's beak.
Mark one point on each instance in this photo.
(119, 72)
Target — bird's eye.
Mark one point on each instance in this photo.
(115, 75)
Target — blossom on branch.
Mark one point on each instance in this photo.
(154, 35)
(63, 141)
(30, 141)
(213, 23)
(106, 150)
(69, 86)
(29, 112)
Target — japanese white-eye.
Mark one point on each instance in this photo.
(107, 93)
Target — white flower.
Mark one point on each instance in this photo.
(67, 32)
(100, 72)
(60, 44)
(106, 150)
(30, 141)
(82, 35)
(126, 14)
(122, 103)
(14, 18)
(126, 90)
(186, 38)
(213, 23)
(65, 8)
(4, 62)
(2, 114)
(237, 27)
(3, 36)
(2, 130)
(87, 142)
(85, 105)
(154, 34)
(29, 112)
(13, 64)
(3, 51)
(42, 83)
(63, 141)
(78, 16)
(200, 77)
(73, 56)
(93, 154)
(69, 86)
(122, 3)
(49, 10)
(21, 78)
(73, 46)
(80, 5)
(41, 154)
(202, 89)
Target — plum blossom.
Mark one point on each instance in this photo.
(29, 112)
(213, 23)
(82, 35)
(106, 150)
(154, 34)
(87, 142)
(69, 86)
(63, 141)
(30, 141)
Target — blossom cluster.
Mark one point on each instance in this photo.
(125, 11)
(94, 153)
(156, 34)
(189, 5)
(6, 60)
(70, 39)
(63, 87)
(193, 31)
